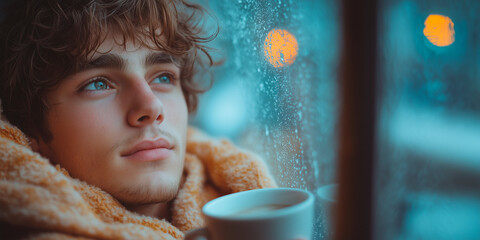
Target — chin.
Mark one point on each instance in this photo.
(157, 191)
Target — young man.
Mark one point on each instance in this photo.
(102, 90)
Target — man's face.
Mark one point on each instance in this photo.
(121, 124)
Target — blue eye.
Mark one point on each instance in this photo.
(164, 79)
(97, 84)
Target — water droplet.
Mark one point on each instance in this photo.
(262, 87)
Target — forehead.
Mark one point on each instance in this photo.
(119, 45)
(114, 49)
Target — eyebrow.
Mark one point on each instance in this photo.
(159, 58)
(110, 60)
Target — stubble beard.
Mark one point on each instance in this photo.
(144, 194)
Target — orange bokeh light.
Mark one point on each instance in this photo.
(280, 48)
(439, 30)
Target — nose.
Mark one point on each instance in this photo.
(145, 107)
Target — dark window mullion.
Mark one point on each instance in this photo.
(353, 214)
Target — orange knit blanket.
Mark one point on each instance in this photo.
(41, 201)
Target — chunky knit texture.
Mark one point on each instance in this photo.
(41, 201)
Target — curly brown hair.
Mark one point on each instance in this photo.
(44, 41)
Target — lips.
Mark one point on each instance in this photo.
(147, 151)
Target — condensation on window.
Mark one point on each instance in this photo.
(276, 92)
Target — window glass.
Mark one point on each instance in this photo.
(276, 92)
(428, 168)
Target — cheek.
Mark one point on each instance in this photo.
(176, 117)
(176, 112)
(182, 114)
(80, 135)
(82, 121)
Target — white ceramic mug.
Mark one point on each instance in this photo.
(262, 214)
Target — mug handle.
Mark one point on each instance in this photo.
(195, 233)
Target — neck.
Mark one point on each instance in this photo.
(156, 210)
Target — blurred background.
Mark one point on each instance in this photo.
(277, 95)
